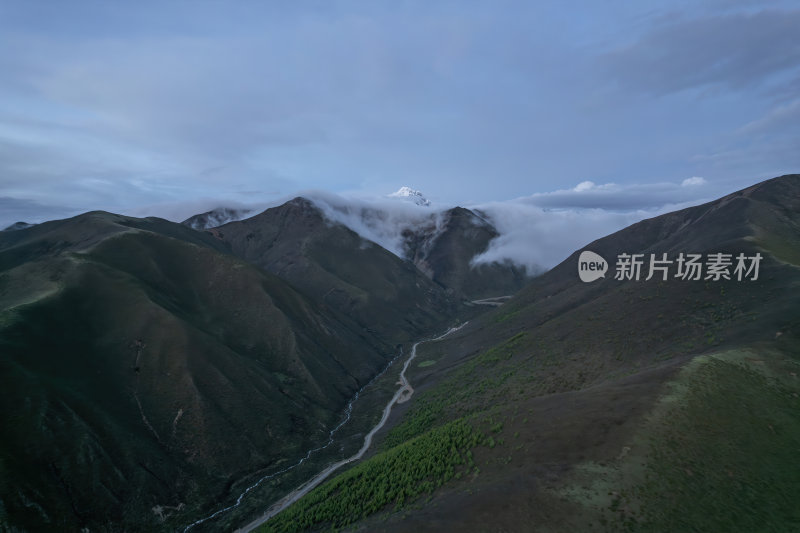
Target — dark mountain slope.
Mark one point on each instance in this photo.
(763, 218)
(445, 254)
(147, 373)
(337, 268)
(565, 387)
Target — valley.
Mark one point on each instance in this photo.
(403, 394)
(138, 347)
(282, 373)
(588, 409)
(399, 267)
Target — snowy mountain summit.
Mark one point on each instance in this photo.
(407, 193)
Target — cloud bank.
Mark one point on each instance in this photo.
(626, 197)
(537, 231)
(539, 238)
(379, 219)
(541, 230)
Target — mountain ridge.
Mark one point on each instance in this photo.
(151, 372)
(152, 345)
(338, 268)
(568, 386)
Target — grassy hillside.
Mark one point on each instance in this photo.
(148, 375)
(718, 451)
(573, 381)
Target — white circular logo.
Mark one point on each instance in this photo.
(591, 266)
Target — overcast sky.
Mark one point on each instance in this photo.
(138, 106)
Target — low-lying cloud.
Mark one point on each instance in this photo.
(540, 238)
(626, 197)
(537, 231)
(541, 230)
(380, 220)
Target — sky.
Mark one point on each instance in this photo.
(585, 108)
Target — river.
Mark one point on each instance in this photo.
(402, 394)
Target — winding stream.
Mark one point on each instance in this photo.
(401, 395)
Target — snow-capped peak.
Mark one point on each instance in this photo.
(412, 195)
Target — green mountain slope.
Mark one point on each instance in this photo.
(147, 374)
(335, 267)
(588, 413)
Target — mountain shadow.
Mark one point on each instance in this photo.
(147, 372)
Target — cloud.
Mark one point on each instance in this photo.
(539, 238)
(733, 50)
(626, 197)
(541, 230)
(127, 106)
(536, 232)
(378, 219)
(530, 236)
(784, 117)
(694, 181)
(587, 186)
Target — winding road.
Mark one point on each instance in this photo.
(401, 395)
(347, 412)
(495, 301)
